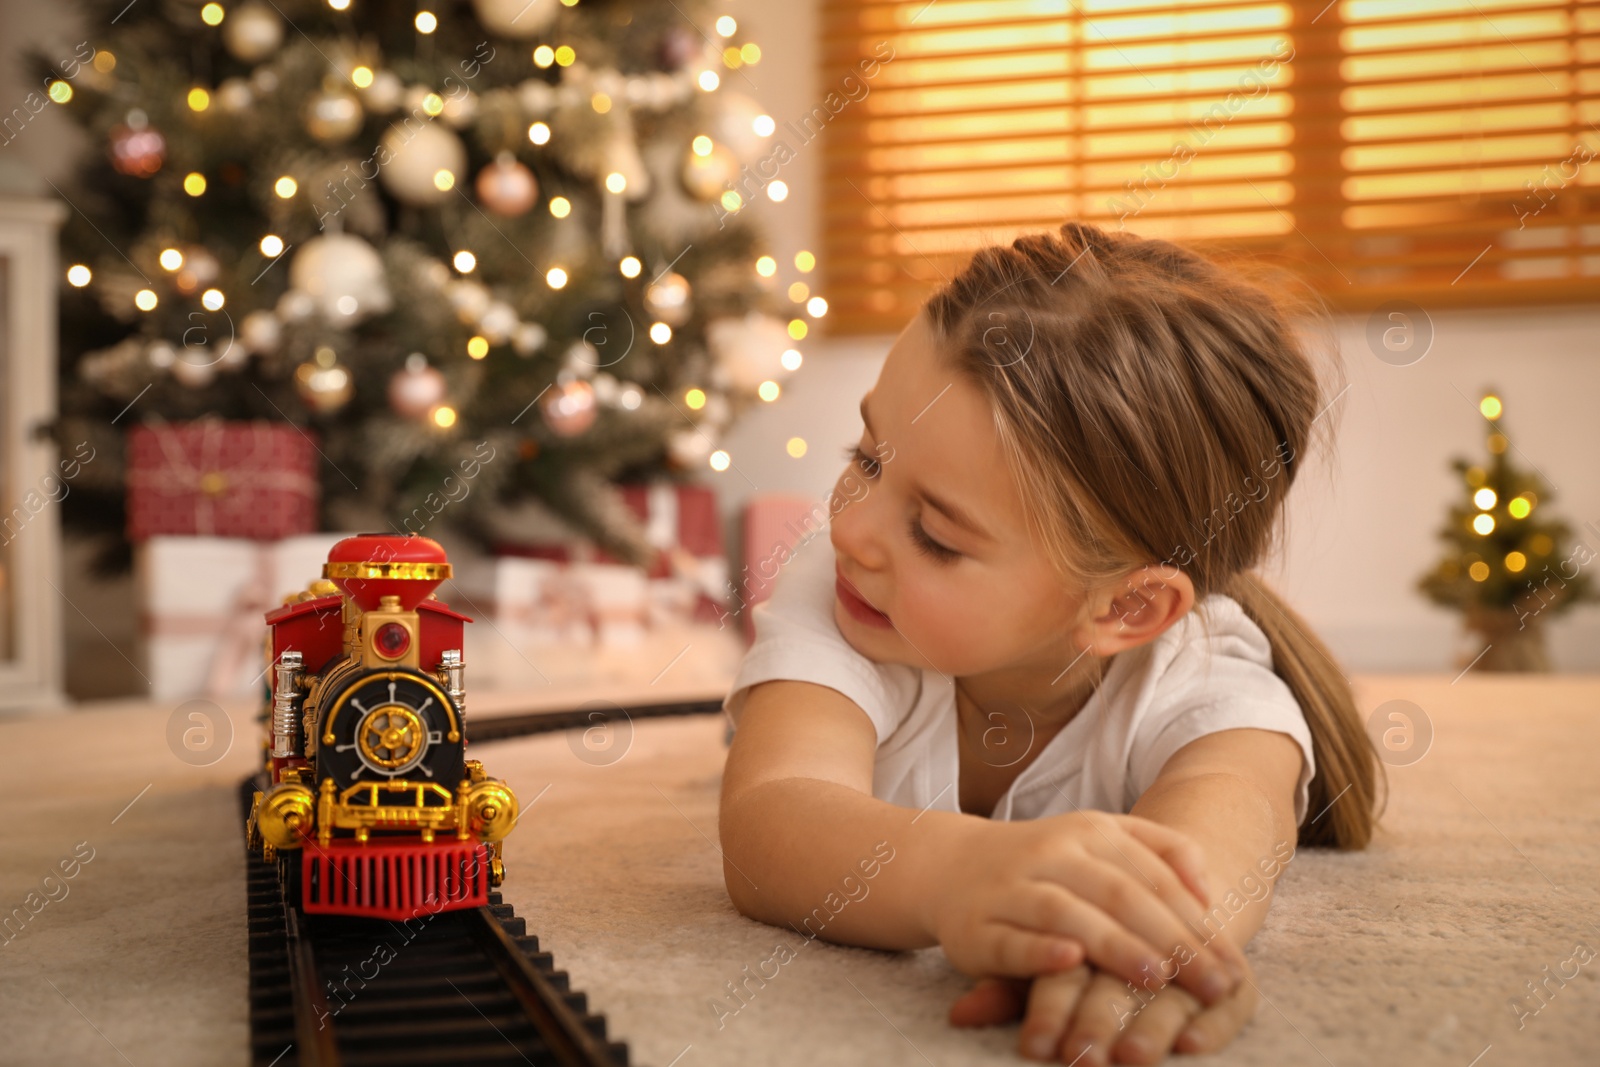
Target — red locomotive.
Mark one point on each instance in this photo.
(368, 802)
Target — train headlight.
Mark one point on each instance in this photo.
(285, 814)
(391, 640)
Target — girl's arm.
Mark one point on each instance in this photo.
(1232, 792)
(804, 840)
(805, 844)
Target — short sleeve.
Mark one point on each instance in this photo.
(796, 639)
(1220, 677)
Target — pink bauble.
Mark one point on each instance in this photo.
(414, 390)
(569, 407)
(137, 150)
(507, 187)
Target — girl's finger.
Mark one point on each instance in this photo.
(991, 1002)
(1106, 1006)
(1011, 951)
(1219, 1024)
(1177, 850)
(1149, 1035)
(1156, 871)
(1154, 867)
(1048, 909)
(1050, 1005)
(1183, 956)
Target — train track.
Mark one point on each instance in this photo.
(502, 727)
(458, 987)
(448, 989)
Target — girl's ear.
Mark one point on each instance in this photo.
(1136, 610)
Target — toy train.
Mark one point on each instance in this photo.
(367, 802)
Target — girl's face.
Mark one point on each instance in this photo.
(934, 535)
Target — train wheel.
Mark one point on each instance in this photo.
(289, 875)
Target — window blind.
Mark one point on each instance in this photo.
(1441, 151)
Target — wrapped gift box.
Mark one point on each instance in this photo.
(201, 605)
(686, 580)
(774, 523)
(212, 478)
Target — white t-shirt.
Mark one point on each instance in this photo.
(1153, 700)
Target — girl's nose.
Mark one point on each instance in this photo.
(854, 530)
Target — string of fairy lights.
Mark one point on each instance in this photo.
(1490, 516)
(185, 272)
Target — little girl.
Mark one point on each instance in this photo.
(1025, 700)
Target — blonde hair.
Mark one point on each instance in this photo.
(1156, 409)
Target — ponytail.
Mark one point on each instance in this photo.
(1343, 802)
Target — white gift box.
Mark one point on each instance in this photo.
(544, 602)
(202, 602)
(537, 602)
(557, 622)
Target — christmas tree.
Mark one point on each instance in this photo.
(414, 232)
(1509, 565)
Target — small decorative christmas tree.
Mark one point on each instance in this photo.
(1509, 566)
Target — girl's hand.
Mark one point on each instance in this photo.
(1089, 1018)
(1023, 898)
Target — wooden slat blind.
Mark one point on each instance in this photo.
(1441, 151)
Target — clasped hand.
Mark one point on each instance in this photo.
(1088, 1018)
(1081, 901)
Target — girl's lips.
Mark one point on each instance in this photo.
(856, 605)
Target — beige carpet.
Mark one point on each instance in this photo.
(1410, 953)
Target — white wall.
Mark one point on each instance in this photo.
(1362, 524)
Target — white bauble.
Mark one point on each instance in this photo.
(252, 32)
(750, 349)
(383, 95)
(333, 115)
(434, 274)
(261, 332)
(195, 366)
(343, 275)
(688, 448)
(412, 158)
(528, 338)
(234, 355)
(735, 127)
(667, 299)
(516, 19)
(235, 96)
(469, 299)
(295, 306)
(537, 97)
(161, 354)
(460, 109)
(582, 358)
(605, 388)
(708, 176)
(498, 321)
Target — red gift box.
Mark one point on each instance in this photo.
(212, 478)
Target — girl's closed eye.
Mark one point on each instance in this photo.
(925, 544)
(869, 465)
